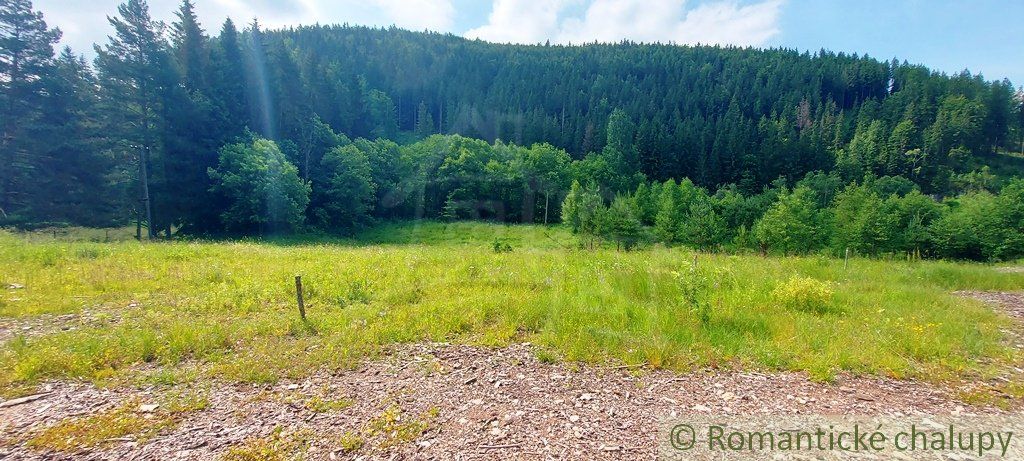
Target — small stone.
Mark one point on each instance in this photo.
(292, 387)
(587, 397)
(15, 286)
(574, 418)
(148, 407)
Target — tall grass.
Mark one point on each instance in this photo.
(229, 307)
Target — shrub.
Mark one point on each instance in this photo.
(501, 246)
(804, 294)
(694, 284)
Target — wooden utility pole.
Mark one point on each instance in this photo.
(298, 297)
(144, 178)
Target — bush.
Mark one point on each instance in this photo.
(501, 246)
(695, 285)
(804, 294)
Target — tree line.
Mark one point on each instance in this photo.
(880, 216)
(333, 127)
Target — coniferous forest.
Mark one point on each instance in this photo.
(189, 129)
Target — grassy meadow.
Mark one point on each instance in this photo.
(176, 311)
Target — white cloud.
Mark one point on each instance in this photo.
(718, 22)
(84, 23)
(436, 15)
(521, 21)
(738, 22)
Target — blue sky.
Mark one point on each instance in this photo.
(982, 35)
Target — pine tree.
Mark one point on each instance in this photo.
(26, 62)
(450, 210)
(424, 121)
(621, 153)
(191, 48)
(133, 73)
(258, 97)
(703, 227)
(621, 223)
(1020, 117)
(668, 219)
(793, 224)
(571, 213)
(291, 109)
(229, 80)
(78, 182)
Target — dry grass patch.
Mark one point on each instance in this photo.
(280, 445)
(132, 420)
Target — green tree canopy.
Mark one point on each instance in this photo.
(262, 187)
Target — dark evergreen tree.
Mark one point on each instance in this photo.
(191, 48)
(133, 70)
(26, 62)
(229, 80)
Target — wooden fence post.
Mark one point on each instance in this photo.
(846, 262)
(298, 296)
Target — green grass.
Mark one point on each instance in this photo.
(227, 309)
(80, 234)
(468, 233)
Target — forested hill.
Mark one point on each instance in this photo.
(716, 115)
(179, 129)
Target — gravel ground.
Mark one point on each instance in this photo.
(489, 404)
(1010, 303)
(473, 403)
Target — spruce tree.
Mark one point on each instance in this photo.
(191, 48)
(26, 63)
(77, 180)
(229, 80)
(424, 121)
(133, 73)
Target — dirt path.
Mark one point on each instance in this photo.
(469, 403)
(1010, 303)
